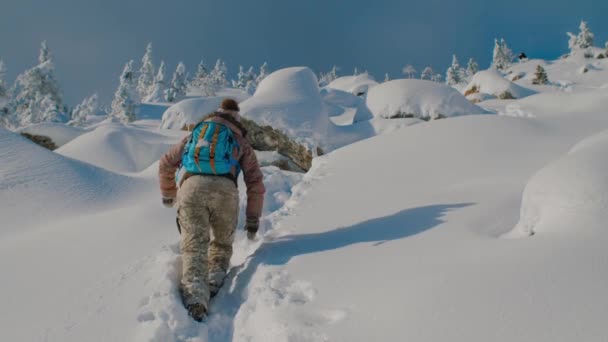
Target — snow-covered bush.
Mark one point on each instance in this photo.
(492, 82)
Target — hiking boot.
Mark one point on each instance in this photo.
(197, 312)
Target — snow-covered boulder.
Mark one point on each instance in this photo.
(189, 111)
(59, 133)
(492, 82)
(117, 147)
(289, 100)
(357, 85)
(344, 107)
(419, 99)
(572, 190)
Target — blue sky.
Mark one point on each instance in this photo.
(92, 39)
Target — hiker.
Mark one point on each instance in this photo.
(210, 160)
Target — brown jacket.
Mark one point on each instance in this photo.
(170, 162)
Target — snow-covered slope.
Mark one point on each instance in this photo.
(289, 100)
(422, 99)
(37, 185)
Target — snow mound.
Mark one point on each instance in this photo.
(571, 191)
(345, 108)
(289, 100)
(36, 184)
(550, 104)
(60, 133)
(117, 147)
(189, 111)
(493, 83)
(356, 85)
(418, 98)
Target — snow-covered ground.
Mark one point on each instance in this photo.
(471, 228)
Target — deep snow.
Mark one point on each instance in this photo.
(418, 233)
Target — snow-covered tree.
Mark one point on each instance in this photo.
(454, 74)
(583, 40)
(200, 78)
(356, 72)
(87, 107)
(409, 71)
(124, 103)
(245, 79)
(437, 78)
(178, 87)
(472, 67)
(540, 76)
(263, 73)
(45, 53)
(427, 73)
(146, 74)
(158, 89)
(36, 96)
(3, 88)
(502, 56)
(386, 77)
(325, 79)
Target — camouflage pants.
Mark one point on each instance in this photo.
(206, 204)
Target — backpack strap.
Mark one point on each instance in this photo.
(198, 147)
(212, 148)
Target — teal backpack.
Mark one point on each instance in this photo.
(211, 150)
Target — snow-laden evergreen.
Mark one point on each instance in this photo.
(125, 103)
(502, 56)
(159, 87)
(3, 87)
(264, 72)
(179, 85)
(427, 73)
(409, 71)
(455, 73)
(325, 79)
(36, 97)
(582, 40)
(88, 107)
(472, 67)
(145, 80)
(540, 76)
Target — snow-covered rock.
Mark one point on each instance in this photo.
(356, 85)
(345, 108)
(572, 190)
(418, 98)
(189, 111)
(117, 147)
(59, 133)
(493, 83)
(289, 100)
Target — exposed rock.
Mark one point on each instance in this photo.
(41, 140)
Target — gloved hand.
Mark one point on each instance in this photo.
(251, 226)
(168, 202)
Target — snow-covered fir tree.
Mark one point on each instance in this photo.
(325, 79)
(472, 67)
(427, 73)
(217, 78)
(3, 88)
(409, 71)
(200, 79)
(454, 74)
(583, 40)
(262, 74)
(356, 72)
(245, 79)
(159, 87)
(36, 96)
(124, 103)
(86, 108)
(179, 85)
(146, 74)
(386, 77)
(437, 78)
(502, 56)
(540, 76)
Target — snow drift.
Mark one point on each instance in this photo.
(418, 98)
(60, 133)
(289, 100)
(36, 184)
(572, 190)
(356, 85)
(117, 147)
(189, 111)
(492, 82)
